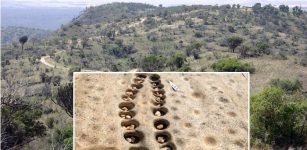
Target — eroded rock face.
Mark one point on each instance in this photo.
(142, 112)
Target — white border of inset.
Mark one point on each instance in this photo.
(98, 72)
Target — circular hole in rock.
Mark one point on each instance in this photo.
(133, 137)
(155, 83)
(126, 114)
(138, 80)
(130, 124)
(154, 77)
(168, 146)
(131, 91)
(159, 93)
(163, 137)
(136, 86)
(125, 106)
(159, 86)
(158, 101)
(127, 98)
(161, 124)
(141, 75)
(161, 111)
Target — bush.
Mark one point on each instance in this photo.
(277, 117)
(234, 42)
(184, 68)
(152, 63)
(177, 60)
(232, 65)
(50, 122)
(287, 85)
(198, 34)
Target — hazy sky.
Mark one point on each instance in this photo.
(83, 3)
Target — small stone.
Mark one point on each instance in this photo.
(160, 126)
(128, 116)
(131, 139)
(123, 116)
(125, 108)
(161, 139)
(158, 113)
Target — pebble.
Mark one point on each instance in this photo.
(158, 113)
(160, 126)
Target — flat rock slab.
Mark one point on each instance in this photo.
(210, 111)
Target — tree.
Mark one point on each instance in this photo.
(64, 98)
(22, 41)
(34, 40)
(277, 117)
(297, 11)
(193, 49)
(257, 8)
(85, 42)
(234, 42)
(20, 119)
(263, 47)
(177, 60)
(152, 63)
(284, 8)
(189, 22)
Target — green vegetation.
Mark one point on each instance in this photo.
(267, 41)
(278, 118)
(232, 65)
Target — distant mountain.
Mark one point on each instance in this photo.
(12, 34)
(112, 12)
(49, 18)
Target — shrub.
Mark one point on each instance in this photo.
(263, 47)
(287, 85)
(234, 42)
(50, 122)
(64, 98)
(184, 68)
(303, 61)
(152, 63)
(152, 36)
(177, 60)
(277, 117)
(198, 34)
(232, 65)
(72, 70)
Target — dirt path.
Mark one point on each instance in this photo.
(45, 62)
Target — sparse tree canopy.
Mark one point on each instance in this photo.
(257, 8)
(234, 42)
(284, 8)
(23, 40)
(297, 11)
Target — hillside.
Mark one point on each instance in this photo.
(269, 42)
(120, 44)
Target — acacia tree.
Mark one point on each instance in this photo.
(64, 98)
(234, 42)
(297, 11)
(20, 119)
(22, 41)
(284, 8)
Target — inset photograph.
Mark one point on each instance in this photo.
(161, 111)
